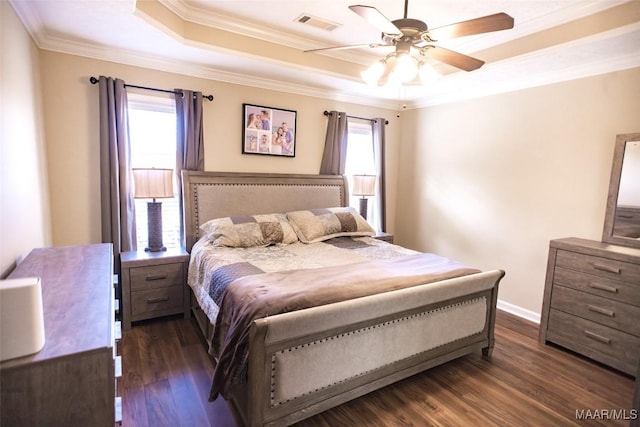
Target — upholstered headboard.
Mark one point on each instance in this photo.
(209, 195)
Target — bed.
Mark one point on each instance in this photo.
(285, 367)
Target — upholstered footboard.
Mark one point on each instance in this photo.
(307, 361)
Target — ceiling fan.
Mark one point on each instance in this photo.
(408, 35)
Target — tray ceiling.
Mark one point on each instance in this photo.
(261, 43)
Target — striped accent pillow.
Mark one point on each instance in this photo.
(317, 225)
(249, 231)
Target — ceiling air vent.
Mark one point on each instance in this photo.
(323, 24)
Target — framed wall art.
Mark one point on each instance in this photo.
(268, 131)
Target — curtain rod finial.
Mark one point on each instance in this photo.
(93, 80)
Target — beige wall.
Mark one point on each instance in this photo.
(490, 181)
(24, 210)
(71, 120)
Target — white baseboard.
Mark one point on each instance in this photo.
(519, 311)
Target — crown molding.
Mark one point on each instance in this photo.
(31, 20)
(474, 87)
(121, 56)
(449, 83)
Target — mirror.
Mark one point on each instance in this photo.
(622, 217)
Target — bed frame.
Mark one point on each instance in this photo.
(305, 362)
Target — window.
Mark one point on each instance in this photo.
(152, 132)
(360, 160)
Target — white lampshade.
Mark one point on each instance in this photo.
(406, 68)
(364, 185)
(153, 183)
(372, 74)
(427, 73)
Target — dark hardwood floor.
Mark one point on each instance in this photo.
(167, 373)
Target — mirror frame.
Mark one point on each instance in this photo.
(612, 198)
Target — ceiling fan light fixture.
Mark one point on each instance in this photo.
(372, 74)
(427, 73)
(408, 35)
(406, 68)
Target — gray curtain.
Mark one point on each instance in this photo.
(378, 157)
(189, 139)
(116, 181)
(335, 145)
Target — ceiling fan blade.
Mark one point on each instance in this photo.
(375, 18)
(450, 57)
(485, 24)
(353, 46)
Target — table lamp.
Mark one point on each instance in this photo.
(364, 186)
(152, 183)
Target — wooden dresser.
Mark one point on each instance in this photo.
(71, 381)
(592, 301)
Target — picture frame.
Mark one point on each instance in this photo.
(268, 131)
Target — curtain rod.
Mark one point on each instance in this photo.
(328, 113)
(93, 81)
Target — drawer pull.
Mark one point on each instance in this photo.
(605, 288)
(157, 300)
(158, 277)
(597, 337)
(601, 310)
(607, 268)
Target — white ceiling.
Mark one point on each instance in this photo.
(260, 43)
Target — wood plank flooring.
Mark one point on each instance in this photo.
(167, 374)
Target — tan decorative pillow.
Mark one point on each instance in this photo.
(316, 225)
(249, 231)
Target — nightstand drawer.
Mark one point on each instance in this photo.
(156, 276)
(601, 343)
(623, 317)
(159, 301)
(603, 267)
(386, 237)
(613, 289)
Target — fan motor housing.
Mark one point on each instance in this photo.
(411, 29)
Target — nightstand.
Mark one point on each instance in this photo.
(154, 284)
(381, 235)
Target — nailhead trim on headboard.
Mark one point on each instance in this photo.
(203, 201)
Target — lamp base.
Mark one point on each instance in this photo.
(363, 207)
(154, 227)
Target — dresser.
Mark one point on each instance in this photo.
(592, 301)
(154, 284)
(72, 380)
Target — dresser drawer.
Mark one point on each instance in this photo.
(154, 302)
(612, 289)
(602, 267)
(615, 314)
(156, 276)
(601, 343)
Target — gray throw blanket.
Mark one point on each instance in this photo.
(260, 295)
